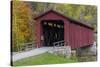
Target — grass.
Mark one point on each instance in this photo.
(45, 58)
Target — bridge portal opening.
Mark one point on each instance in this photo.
(53, 31)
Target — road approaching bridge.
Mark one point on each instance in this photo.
(30, 53)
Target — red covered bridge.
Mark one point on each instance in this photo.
(52, 26)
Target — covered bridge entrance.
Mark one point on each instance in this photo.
(53, 31)
(52, 26)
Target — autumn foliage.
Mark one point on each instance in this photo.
(21, 20)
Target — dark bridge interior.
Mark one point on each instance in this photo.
(53, 31)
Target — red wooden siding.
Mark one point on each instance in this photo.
(66, 32)
(37, 33)
(80, 36)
